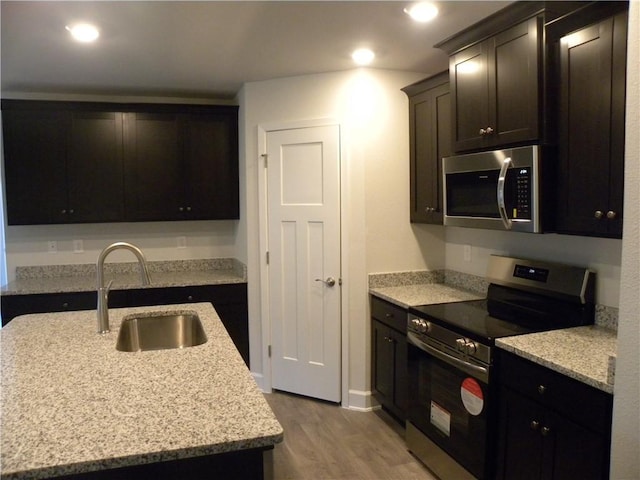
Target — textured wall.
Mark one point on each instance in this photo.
(625, 464)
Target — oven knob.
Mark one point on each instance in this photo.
(470, 347)
(460, 344)
(426, 326)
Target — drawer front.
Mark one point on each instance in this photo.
(389, 314)
(16, 305)
(573, 399)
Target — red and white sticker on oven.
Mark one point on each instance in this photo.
(472, 396)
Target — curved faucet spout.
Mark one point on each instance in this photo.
(103, 292)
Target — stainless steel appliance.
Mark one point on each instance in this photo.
(452, 417)
(500, 189)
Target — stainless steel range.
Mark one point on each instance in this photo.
(452, 414)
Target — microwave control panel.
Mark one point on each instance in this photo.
(522, 207)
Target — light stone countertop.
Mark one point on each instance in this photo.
(70, 402)
(581, 353)
(406, 296)
(125, 276)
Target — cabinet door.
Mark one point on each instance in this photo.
(520, 451)
(470, 96)
(35, 148)
(154, 182)
(383, 353)
(495, 89)
(95, 169)
(389, 368)
(513, 84)
(430, 141)
(211, 167)
(592, 85)
(573, 451)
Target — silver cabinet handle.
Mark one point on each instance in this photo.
(329, 282)
(611, 214)
(598, 214)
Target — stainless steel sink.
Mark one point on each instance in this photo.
(160, 331)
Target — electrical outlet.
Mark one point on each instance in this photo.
(467, 253)
(181, 242)
(78, 246)
(52, 246)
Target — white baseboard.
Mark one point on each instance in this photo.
(361, 401)
(260, 380)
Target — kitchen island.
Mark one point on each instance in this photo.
(72, 405)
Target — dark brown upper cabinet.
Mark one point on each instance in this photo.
(499, 71)
(429, 141)
(181, 166)
(591, 129)
(495, 89)
(62, 166)
(82, 162)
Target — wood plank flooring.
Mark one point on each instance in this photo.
(323, 441)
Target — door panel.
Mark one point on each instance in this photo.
(303, 183)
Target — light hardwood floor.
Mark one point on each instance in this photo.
(324, 441)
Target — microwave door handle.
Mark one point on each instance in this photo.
(500, 194)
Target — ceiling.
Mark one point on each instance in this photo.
(208, 49)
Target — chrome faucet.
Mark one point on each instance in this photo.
(103, 292)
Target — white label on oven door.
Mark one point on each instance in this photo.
(441, 419)
(472, 397)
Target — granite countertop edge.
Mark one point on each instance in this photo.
(563, 351)
(50, 279)
(33, 349)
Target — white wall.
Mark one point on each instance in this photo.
(27, 245)
(625, 463)
(373, 115)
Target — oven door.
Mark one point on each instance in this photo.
(449, 403)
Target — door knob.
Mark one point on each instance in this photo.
(329, 282)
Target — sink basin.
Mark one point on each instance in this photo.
(160, 331)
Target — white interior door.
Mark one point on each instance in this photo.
(303, 191)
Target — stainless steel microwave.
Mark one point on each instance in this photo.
(498, 190)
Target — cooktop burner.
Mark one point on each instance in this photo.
(472, 319)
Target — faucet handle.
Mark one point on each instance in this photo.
(108, 288)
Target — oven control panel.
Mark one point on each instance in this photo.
(446, 340)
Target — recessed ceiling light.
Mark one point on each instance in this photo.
(83, 32)
(363, 56)
(422, 12)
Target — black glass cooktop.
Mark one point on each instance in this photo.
(472, 319)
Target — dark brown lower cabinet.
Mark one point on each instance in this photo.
(551, 426)
(389, 357)
(229, 300)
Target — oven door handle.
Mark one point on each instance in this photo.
(481, 373)
(502, 208)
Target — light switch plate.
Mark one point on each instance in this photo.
(467, 253)
(52, 246)
(78, 246)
